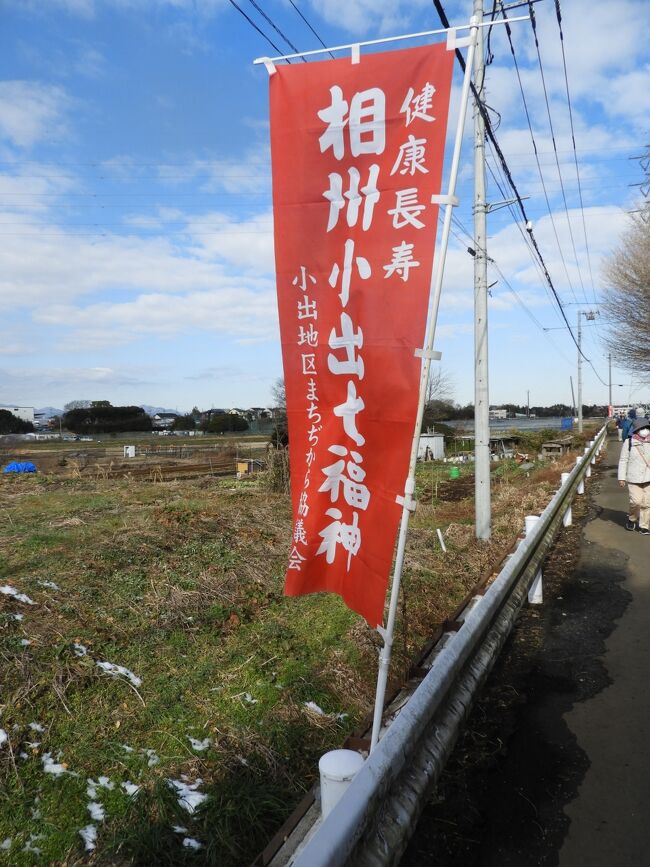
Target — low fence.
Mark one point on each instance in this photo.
(376, 816)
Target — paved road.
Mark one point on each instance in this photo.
(554, 765)
(609, 818)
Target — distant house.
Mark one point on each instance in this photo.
(210, 413)
(164, 420)
(261, 412)
(498, 414)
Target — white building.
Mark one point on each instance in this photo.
(498, 414)
(431, 447)
(25, 413)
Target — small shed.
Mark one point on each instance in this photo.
(557, 447)
(431, 447)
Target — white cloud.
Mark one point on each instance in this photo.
(236, 310)
(359, 16)
(246, 244)
(31, 111)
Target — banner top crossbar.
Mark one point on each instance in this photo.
(353, 46)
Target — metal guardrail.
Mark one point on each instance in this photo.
(374, 819)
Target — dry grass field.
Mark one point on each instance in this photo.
(163, 702)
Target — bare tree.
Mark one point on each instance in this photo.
(280, 437)
(627, 298)
(439, 397)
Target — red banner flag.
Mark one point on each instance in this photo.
(357, 152)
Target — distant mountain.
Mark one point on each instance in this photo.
(48, 412)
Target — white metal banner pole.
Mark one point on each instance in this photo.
(427, 353)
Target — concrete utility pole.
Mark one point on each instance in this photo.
(481, 395)
(610, 378)
(579, 371)
(590, 315)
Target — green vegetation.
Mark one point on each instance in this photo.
(181, 584)
(101, 417)
(11, 424)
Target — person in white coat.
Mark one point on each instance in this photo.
(634, 470)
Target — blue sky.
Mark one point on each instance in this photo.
(136, 263)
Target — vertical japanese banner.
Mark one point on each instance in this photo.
(357, 152)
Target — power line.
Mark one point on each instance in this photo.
(573, 141)
(533, 22)
(275, 27)
(532, 137)
(489, 132)
(311, 28)
(255, 27)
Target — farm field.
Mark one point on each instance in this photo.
(163, 702)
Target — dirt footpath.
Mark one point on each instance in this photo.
(554, 765)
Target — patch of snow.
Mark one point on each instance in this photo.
(4, 737)
(23, 755)
(106, 783)
(79, 649)
(152, 758)
(127, 748)
(33, 745)
(249, 698)
(25, 642)
(89, 836)
(191, 843)
(130, 788)
(6, 844)
(311, 705)
(29, 845)
(179, 829)
(8, 590)
(115, 670)
(49, 584)
(52, 767)
(199, 746)
(188, 795)
(17, 616)
(36, 727)
(96, 810)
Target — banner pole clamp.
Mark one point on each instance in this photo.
(431, 354)
(445, 199)
(453, 42)
(270, 66)
(355, 53)
(407, 501)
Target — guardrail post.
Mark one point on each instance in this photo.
(337, 770)
(581, 483)
(588, 470)
(567, 519)
(535, 594)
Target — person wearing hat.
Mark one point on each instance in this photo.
(634, 470)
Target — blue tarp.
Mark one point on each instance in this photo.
(17, 467)
(567, 424)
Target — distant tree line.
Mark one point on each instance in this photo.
(11, 424)
(101, 417)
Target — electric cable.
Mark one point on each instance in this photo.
(558, 15)
(311, 28)
(534, 143)
(275, 27)
(255, 27)
(489, 132)
(533, 22)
